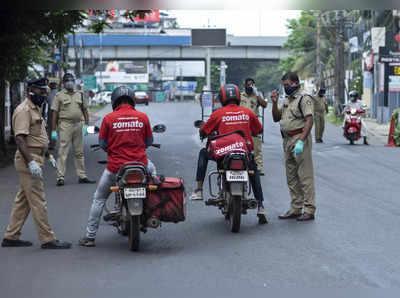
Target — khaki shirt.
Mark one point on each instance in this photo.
(27, 120)
(320, 105)
(291, 118)
(250, 102)
(69, 105)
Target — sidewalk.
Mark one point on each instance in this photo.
(377, 133)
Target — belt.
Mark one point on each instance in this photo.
(291, 133)
(71, 121)
(36, 150)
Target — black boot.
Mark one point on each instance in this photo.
(365, 141)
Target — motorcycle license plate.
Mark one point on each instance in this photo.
(237, 176)
(135, 193)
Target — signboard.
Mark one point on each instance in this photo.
(353, 42)
(135, 67)
(389, 59)
(122, 77)
(378, 38)
(208, 37)
(206, 99)
(396, 70)
(153, 17)
(89, 82)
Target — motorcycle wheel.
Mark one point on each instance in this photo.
(125, 224)
(134, 233)
(235, 213)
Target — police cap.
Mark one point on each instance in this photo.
(41, 83)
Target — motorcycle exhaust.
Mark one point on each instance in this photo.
(252, 204)
(153, 222)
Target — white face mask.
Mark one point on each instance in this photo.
(69, 85)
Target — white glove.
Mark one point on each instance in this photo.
(255, 91)
(35, 170)
(53, 161)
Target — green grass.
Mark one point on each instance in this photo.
(96, 108)
(332, 118)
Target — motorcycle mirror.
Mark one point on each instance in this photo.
(159, 128)
(198, 123)
(93, 129)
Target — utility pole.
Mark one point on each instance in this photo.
(208, 69)
(339, 61)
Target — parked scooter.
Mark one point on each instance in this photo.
(143, 201)
(232, 178)
(352, 125)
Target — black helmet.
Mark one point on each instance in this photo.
(122, 92)
(68, 77)
(354, 94)
(227, 93)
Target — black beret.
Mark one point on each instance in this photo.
(38, 83)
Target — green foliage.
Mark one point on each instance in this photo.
(302, 43)
(357, 81)
(268, 76)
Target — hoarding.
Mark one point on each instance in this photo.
(208, 37)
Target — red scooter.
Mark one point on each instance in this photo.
(352, 125)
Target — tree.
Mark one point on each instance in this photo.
(25, 39)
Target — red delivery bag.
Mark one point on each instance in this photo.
(168, 202)
(219, 146)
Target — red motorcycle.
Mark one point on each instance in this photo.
(352, 125)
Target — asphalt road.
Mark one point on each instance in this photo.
(354, 241)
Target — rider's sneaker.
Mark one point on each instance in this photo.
(262, 216)
(197, 195)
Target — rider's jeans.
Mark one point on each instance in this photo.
(254, 179)
(100, 196)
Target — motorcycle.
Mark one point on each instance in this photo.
(143, 201)
(352, 125)
(232, 177)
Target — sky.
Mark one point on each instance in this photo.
(238, 22)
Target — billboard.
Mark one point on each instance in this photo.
(172, 69)
(208, 37)
(153, 17)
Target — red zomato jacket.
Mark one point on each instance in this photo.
(125, 133)
(233, 117)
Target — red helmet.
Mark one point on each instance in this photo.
(227, 93)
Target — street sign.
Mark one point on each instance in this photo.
(89, 82)
(396, 70)
(389, 59)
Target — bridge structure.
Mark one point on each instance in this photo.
(176, 45)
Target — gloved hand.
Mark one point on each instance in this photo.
(298, 149)
(35, 170)
(84, 129)
(53, 161)
(54, 135)
(255, 91)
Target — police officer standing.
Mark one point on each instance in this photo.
(296, 120)
(32, 141)
(320, 108)
(252, 99)
(71, 117)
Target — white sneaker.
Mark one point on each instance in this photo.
(197, 195)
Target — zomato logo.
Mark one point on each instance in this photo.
(239, 117)
(237, 145)
(129, 124)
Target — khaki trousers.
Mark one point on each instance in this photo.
(258, 154)
(70, 133)
(30, 198)
(319, 123)
(300, 176)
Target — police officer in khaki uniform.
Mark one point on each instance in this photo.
(32, 141)
(296, 120)
(71, 117)
(320, 108)
(252, 99)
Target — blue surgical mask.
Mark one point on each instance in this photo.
(249, 89)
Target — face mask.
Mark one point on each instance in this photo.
(69, 84)
(289, 90)
(37, 99)
(353, 99)
(249, 89)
